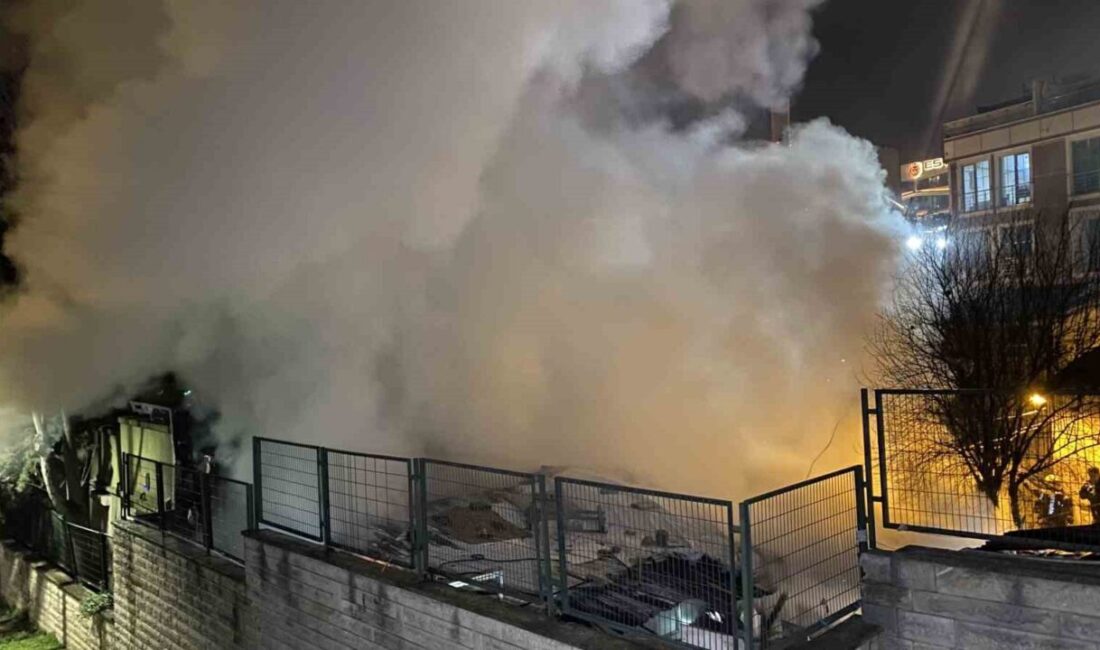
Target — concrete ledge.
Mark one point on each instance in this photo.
(851, 634)
(1047, 569)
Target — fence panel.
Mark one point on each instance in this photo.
(204, 509)
(485, 526)
(946, 459)
(184, 514)
(370, 505)
(231, 513)
(150, 485)
(800, 550)
(91, 556)
(289, 487)
(642, 561)
(59, 547)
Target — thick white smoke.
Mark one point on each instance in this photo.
(397, 227)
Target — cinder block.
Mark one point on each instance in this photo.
(983, 585)
(1080, 627)
(1060, 596)
(914, 574)
(876, 567)
(925, 628)
(883, 616)
(984, 637)
(986, 612)
(887, 595)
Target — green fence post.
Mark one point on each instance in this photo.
(540, 511)
(421, 517)
(862, 519)
(748, 589)
(257, 482)
(731, 534)
(563, 559)
(869, 492)
(207, 515)
(322, 494)
(250, 507)
(161, 514)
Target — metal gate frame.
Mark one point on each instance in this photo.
(859, 489)
(875, 453)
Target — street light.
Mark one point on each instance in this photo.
(1037, 400)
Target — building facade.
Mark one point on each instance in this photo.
(1034, 157)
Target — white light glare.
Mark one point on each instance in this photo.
(914, 243)
(941, 242)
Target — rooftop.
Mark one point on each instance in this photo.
(1046, 97)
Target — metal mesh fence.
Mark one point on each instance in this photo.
(370, 505)
(485, 526)
(800, 553)
(641, 560)
(230, 505)
(291, 494)
(59, 547)
(148, 488)
(986, 464)
(205, 509)
(185, 509)
(637, 561)
(90, 556)
(79, 551)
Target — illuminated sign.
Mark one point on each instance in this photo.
(915, 170)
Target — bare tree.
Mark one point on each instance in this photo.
(999, 313)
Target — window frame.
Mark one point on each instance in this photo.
(1015, 154)
(990, 203)
(1070, 174)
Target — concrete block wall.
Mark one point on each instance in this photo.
(307, 598)
(290, 595)
(51, 599)
(932, 598)
(174, 596)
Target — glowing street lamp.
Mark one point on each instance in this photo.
(1037, 400)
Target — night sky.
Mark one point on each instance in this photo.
(881, 61)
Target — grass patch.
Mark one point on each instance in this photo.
(17, 633)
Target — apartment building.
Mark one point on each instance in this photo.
(1036, 155)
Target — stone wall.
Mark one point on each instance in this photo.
(309, 598)
(931, 598)
(173, 595)
(51, 599)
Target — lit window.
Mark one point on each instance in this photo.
(976, 187)
(1086, 166)
(1015, 179)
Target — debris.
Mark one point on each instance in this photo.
(586, 521)
(476, 524)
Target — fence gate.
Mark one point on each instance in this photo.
(290, 493)
(800, 549)
(922, 448)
